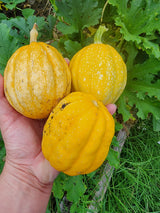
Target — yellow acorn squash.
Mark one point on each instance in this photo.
(99, 69)
(78, 134)
(36, 78)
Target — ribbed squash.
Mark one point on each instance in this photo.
(99, 69)
(78, 134)
(36, 78)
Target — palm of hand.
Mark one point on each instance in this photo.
(22, 136)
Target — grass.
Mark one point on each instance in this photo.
(135, 185)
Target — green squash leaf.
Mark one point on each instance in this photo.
(77, 15)
(7, 42)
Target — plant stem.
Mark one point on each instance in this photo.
(33, 34)
(98, 36)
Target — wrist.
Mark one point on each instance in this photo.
(22, 191)
(22, 175)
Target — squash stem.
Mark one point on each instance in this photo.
(98, 36)
(33, 34)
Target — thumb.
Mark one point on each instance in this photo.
(111, 108)
(43, 170)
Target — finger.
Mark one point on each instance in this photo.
(67, 60)
(111, 108)
(1, 87)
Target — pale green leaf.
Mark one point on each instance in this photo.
(11, 4)
(146, 88)
(115, 142)
(58, 185)
(27, 12)
(75, 207)
(138, 20)
(113, 158)
(75, 188)
(144, 107)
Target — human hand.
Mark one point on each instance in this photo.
(23, 137)
(26, 170)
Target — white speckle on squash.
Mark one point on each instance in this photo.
(101, 77)
(100, 64)
(95, 103)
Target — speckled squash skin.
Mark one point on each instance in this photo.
(99, 69)
(78, 134)
(36, 78)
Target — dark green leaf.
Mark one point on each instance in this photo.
(77, 15)
(156, 124)
(20, 27)
(123, 107)
(47, 32)
(8, 45)
(2, 16)
(141, 70)
(72, 47)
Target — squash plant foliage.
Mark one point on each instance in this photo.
(133, 29)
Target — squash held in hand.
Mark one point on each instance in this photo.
(99, 69)
(78, 134)
(36, 78)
